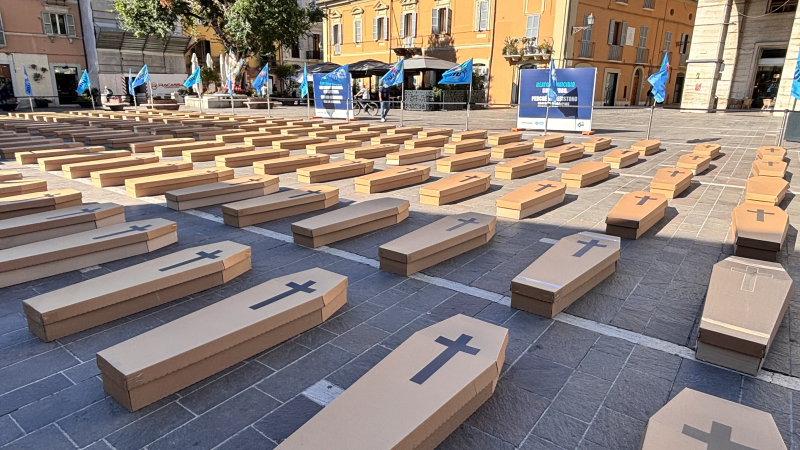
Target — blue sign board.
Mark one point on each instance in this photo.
(333, 100)
(573, 109)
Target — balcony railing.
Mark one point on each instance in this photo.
(337, 49)
(684, 58)
(587, 50)
(313, 54)
(408, 42)
(642, 55)
(615, 53)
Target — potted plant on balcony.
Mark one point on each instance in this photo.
(546, 49)
(510, 50)
(529, 49)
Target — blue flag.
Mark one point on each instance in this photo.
(84, 83)
(263, 77)
(659, 80)
(28, 90)
(130, 82)
(552, 92)
(193, 79)
(142, 77)
(460, 74)
(796, 82)
(394, 76)
(304, 84)
(337, 77)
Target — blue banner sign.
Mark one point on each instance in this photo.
(333, 98)
(572, 110)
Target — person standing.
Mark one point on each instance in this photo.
(383, 96)
(650, 97)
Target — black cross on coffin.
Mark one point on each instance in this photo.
(544, 186)
(588, 246)
(462, 223)
(719, 438)
(644, 199)
(760, 214)
(200, 256)
(675, 173)
(769, 163)
(471, 177)
(694, 157)
(244, 182)
(751, 275)
(306, 193)
(130, 229)
(293, 289)
(82, 211)
(453, 347)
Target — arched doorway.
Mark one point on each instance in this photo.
(636, 86)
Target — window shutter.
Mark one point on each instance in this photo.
(586, 35)
(70, 25)
(48, 26)
(385, 29)
(623, 34)
(333, 35)
(2, 34)
(413, 25)
(643, 37)
(611, 29)
(375, 29)
(449, 14)
(667, 40)
(483, 24)
(339, 34)
(403, 25)
(358, 30)
(434, 21)
(532, 27)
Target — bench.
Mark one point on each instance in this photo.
(586, 173)
(363, 136)
(353, 220)
(245, 159)
(413, 156)
(286, 203)
(171, 150)
(34, 156)
(771, 153)
(520, 167)
(531, 199)
(512, 150)
(332, 147)
(461, 162)
(391, 139)
(759, 231)
(548, 141)
(209, 154)
(404, 130)
(505, 138)
(467, 135)
(435, 132)
(564, 153)
(335, 171)
(289, 164)
(596, 144)
(635, 213)
(764, 168)
(454, 188)
(226, 191)
(9, 188)
(765, 190)
(671, 181)
(696, 163)
(117, 177)
(391, 178)
(710, 150)
(159, 184)
(464, 146)
(371, 151)
(647, 147)
(621, 157)
(433, 141)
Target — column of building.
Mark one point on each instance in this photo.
(784, 99)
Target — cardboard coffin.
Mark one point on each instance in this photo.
(124, 142)
(134, 289)
(33, 157)
(436, 242)
(745, 305)
(405, 130)
(371, 151)
(548, 141)
(189, 131)
(564, 153)
(354, 220)
(9, 152)
(635, 213)
(170, 150)
(433, 141)
(85, 169)
(471, 134)
(237, 137)
(305, 123)
(212, 135)
(265, 141)
(57, 162)
(286, 203)
(694, 420)
(391, 138)
(596, 144)
(764, 168)
(379, 127)
(647, 147)
(117, 177)
(299, 132)
(391, 178)
(288, 164)
(435, 132)
(21, 205)
(325, 133)
(416, 396)
(464, 146)
(77, 251)
(8, 175)
(361, 136)
(222, 192)
(159, 184)
(531, 199)
(454, 188)
(63, 222)
(512, 150)
(586, 173)
(11, 188)
(330, 148)
(571, 268)
(710, 150)
(765, 190)
(671, 181)
(335, 171)
(298, 143)
(245, 159)
(759, 231)
(149, 146)
(464, 161)
(696, 163)
(413, 156)
(343, 126)
(102, 139)
(771, 153)
(208, 154)
(621, 157)
(164, 360)
(505, 138)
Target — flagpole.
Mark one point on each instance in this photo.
(150, 87)
(650, 124)
(269, 111)
(308, 106)
(469, 99)
(91, 96)
(546, 117)
(30, 99)
(402, 98)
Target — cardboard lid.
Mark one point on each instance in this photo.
(222, 188)
(161, 141)
(697, 421)
(455, 183)
(465, 157)
(528, 145)
(471, 134)
(568, 264)
(131, 282)
(142, 169)
(670, 177)
(706, 149)
(279, 200)
(357, 135)
(343, 144)
(437, 236)
(509, 134)
(769, 187)
(249, 155)
(104, 164)
(586, 169)
(86, 149)
(393, 174)
(566, 149)
(84, 243)
(350, 216)
(88, 212)
(336, 167)
(770, 168)
(412, 152)
(618, 154)
(187, 145)
(293, 160)
(648, 143)
(548, 137)
(405, 130)
(693, 159)
(522, 161)
(636, 207)
(411, 393)
(772, 152)
(434, 141)
(212, 173)
(218, 327)
(22, 185)
(436, 132)
(39, 199)
(596, 140)
(6, 175)
(532, 194)
(760, 226)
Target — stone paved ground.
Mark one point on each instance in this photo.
(587, 380)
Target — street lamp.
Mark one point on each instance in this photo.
(589, 22)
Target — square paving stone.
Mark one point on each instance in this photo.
(582, 396)
(286, 419)
(536, 443)
(314, 338)
(539, 376)
(564, 344)
(510, 413)
(602, 365)
(459, 303)
(283, 355)
(426, 299)
(527, 327)
(615, 431)
(355, 369)
(638, 394)
(295, 378)
(249, 439)
(404, 333)
(560, 429)
(467, 437)
(225, 387)
(708, 379)
(149, 428)
(360, 338)
(393, 318)
(654, 362)
(766, 396)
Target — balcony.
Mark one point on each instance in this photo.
(615, 53)
(313, 54)
(408, 42)
(406, 47)
(337, 49)
(587, 50)
(642, 55)
(684, 58)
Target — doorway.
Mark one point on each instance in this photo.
(768, 75)
(66, 84)
(610, 89)
(677, 95)
(636, 87)
(6, 84)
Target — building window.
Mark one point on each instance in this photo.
(532, 27)
(667, 41)
(58, 24)
(482, 15)
(684, 48)
(336, 34)
(642, 55)
(409, 27)
(782, 6)
(617, 33)
(587, 46)
(2, 34)
(380, 30)
(651, 4)
(357, 31)
(441, 20)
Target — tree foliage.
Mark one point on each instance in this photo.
(246, 27)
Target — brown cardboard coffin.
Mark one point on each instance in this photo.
(288, 164)
(299, 132)
(512, 150)
(371, 151)
(225, 191)
(350, 221)
(8, 175)
(435, 132)
(170, 150)
(21, 137)
(548, 141)
(335, 171)
(159, 184)
(759, 231)
(127, 291)
(272, 139)
(298, 143)
(10, 188)
(125, 142)
(621, 157)
(433, 141)
(765, 190)
(21, 205)
(325, 133)
(671, 181)
(413, 156)
(505, 138)
(149, 146)
(333, 147)
(694, 420)
(341, 126)
(117, 177)
(436, 242)
(391, 138)
(33, 157)
(764, 168)
(745, 305)
(573, 266)
(58, 162)
(189, 131)
(63, 222)
(212, 135)
(586, 173)
(238, 136)
(647, 147)
(286, 203)
(362, 136)
(391, 178)
(77, 251)
(304, 123)
(696, 163)
(463, 161)
(383, 127)
(596, 144)
(520, 167)
(465, 145)
(454, 188)
(9, 152)
(208, 154)
(245, 159)
(84, 169)
(404, 130)
(564, 153)
(102, 139)
(415, 397)
(531, 199)
(710, 150)
(771, 153)
(164, 360)
(471, 134)
(635, 213)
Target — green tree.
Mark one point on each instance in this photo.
(285, 72)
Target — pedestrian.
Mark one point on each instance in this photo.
(650, 97)
(383, 96)
(107, 92)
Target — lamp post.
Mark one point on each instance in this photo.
(589, 23)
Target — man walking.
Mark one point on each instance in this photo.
(383, 96)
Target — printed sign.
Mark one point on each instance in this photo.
(333, 100)
(573, 109)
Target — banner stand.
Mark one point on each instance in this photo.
(469, 99)
(650, 124)
(30, 99)
(402, 101)
(546, 117)
(269, 110)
